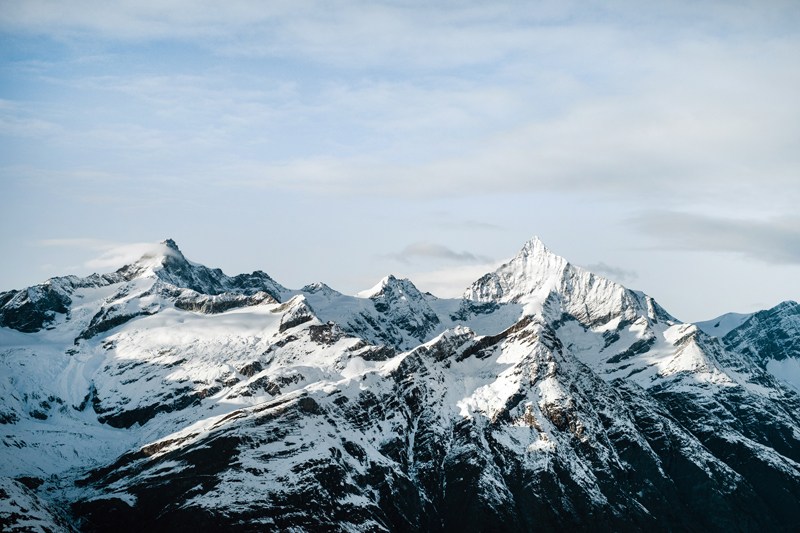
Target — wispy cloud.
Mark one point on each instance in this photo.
(125, 254)
(112, 255)
(353, 32)
(430, 250)
(476, 225)
(616, 98)
(84, 242)
(773, 241)
(677, 144)
(612, 272)
(451, 282)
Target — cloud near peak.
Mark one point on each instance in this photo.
(430, 250)
(612, 272)
(111, 255)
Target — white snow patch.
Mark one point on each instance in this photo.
(786, 370)
(722, 325)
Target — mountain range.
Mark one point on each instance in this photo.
(168, 396)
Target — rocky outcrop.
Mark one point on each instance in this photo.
(219, 303)
(770, 334)
(32, 309)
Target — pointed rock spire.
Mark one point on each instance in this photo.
(545, 283)
(532, 268)
(169, 243)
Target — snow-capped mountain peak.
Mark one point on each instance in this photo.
(164, 255)
(379, 288)
(167, 263)
(545, 283)
(535, 267)
(399, 304)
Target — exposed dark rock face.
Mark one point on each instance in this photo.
(203, 303)
(169, 402)
(468, 309)
(397, 296)
(108, 318)
(32, 309)
(376, 353)
(770, 334)
(326, 333)
(296, 312)
(639, 347)
(251, 369)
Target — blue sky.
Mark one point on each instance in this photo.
(342, 141)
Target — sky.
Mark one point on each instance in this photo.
(655, 143)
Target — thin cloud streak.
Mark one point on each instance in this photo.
(360, 33)
(83, 243)
(125, 254)
(773, 241)
(476, 225)
(112, 256)
(451, 282)
(665, 112)
(612, 272)
(616, 145)
(430, 250)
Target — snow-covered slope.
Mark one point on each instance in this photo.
(722, 325)
(21, 510)
(168, 396)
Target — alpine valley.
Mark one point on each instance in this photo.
(169, 397)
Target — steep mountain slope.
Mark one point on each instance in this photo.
(169, 396)
(22, 510)
(772, 339)
(462, 434)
